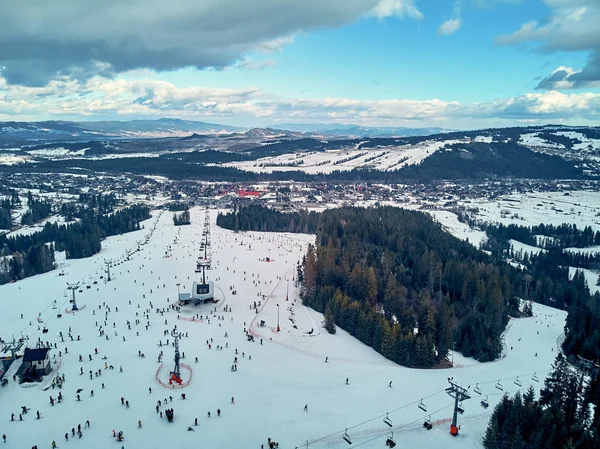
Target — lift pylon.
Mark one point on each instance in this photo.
(459, 394)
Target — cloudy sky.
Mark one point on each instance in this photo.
(449, 63)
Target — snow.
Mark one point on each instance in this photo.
(460, 230)
(589, 250)
(534, 142)
(56, 152)
(591, 277)
(524, 248)
(286, 372)
(11, 159)
(387, 158)
(531, 209)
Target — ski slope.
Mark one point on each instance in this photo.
(286, 372)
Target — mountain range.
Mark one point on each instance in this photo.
(18, 134)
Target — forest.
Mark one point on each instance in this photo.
(26, 255)
(383, 272)
(560, 419)
(549, 282)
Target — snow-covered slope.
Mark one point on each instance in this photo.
(275, 379)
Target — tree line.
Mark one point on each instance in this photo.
(259, 218)
(26, 255)
(545, 236)
(382, 273)
(548, 281)
(560, 419)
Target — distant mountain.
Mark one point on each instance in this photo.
(337, 129)
(270, 133)
(17, 134)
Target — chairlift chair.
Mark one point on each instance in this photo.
(499, 386)
(535, 378)
(518, 382)
(427, 424)
(460, 409)
(390, 442)
(346, 437)
(422, 406)
(484, 403)
(477, 389)
(387, 420)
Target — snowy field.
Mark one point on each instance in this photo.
(274, 380)
(581, 208)
(381, 158)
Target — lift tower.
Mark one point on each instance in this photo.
(459, 394)
(73, 287)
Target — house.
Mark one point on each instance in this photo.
(38, 360)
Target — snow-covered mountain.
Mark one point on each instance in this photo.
(13, 134)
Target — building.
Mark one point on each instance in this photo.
(37, 361)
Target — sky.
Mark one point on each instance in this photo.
(456, 64)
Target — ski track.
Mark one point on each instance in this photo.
(286, 372)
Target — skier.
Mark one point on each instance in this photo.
(390, 384)
(306, 408)
(67, 436)
(139, 424)
(208, 414)
(326, 359)
(195, 421)
(232, 401)
(218, 412)
(347, 381)
(54, 446)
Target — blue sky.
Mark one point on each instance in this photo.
(459, 64)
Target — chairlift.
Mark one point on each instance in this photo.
(477, 389)
(346, 437)
(422, 406)
(499, 386)
(484, 403)
(427, 424)
(387, 420)
(535, 378)
(390, 442)
(518, 382)
(460, 409)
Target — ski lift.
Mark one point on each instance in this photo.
(499, 386)
(422, 406)
(484, 403)
(535, 378)
(346, 437)
(518, 382)
(460, 409)
(387, 420)
(427, 424)
(477, 389)
(390, 442)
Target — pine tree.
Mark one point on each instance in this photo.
(329, 322)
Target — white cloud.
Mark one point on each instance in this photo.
(103, 97)
(450, 26)
(252, 64)
(400, 8)
(571, 27)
